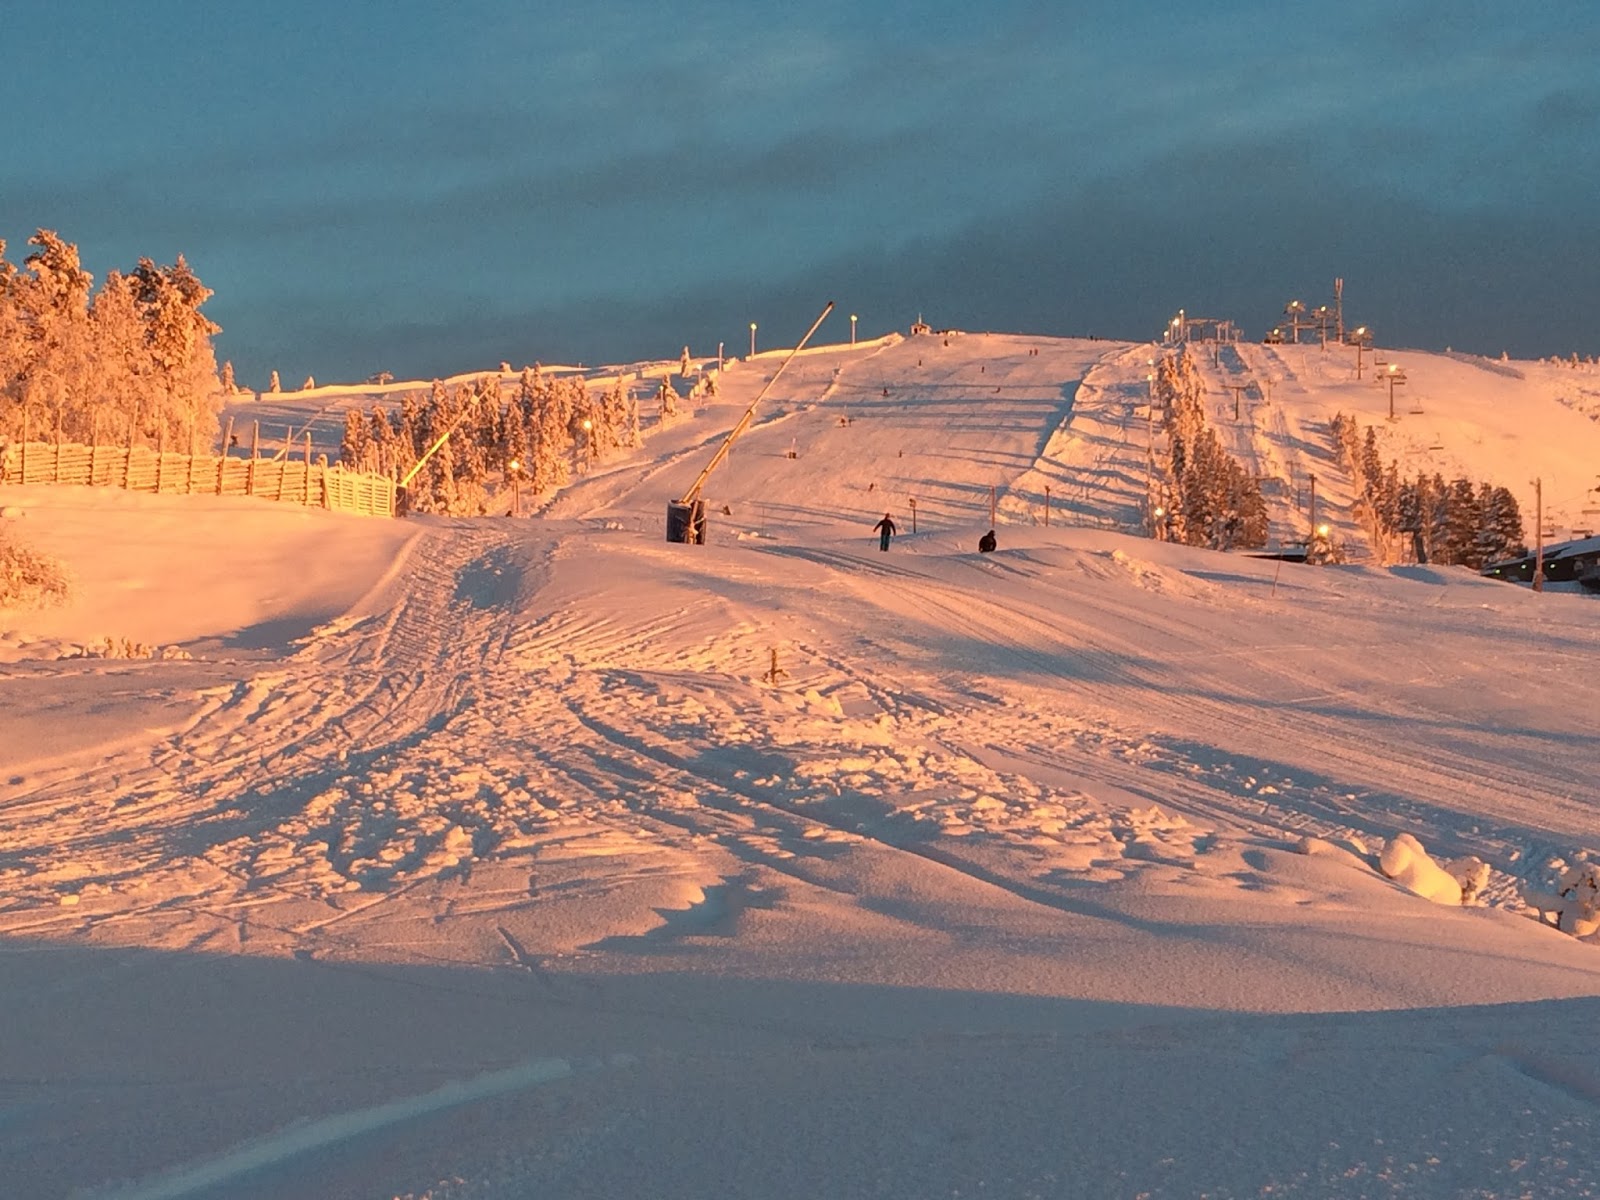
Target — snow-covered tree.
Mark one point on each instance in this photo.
(355, 448)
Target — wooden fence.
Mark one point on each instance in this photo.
(141, 469)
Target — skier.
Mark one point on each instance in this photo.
(885, 530)
(986, 543)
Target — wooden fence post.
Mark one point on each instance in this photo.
(27, 432)
(255, 449)
(307, 501)
(161, 446)
(127, 459)
(222, 463)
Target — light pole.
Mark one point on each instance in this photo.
(1362, 337)
(1396, 377)
(852, 329)
(1294, 310)
(752, 339)
(516, 486)
(588, 443)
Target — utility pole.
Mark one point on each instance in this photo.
(1150, 453)
(1313, 480)
(1338, 307)
(1237, 388)
(1538, 534)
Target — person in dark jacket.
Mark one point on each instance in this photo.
(986, 543)
(885, 530)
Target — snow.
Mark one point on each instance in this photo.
(472, 860)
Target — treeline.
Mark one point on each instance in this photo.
(1457, 523)
(538, 436)
(131, 362)
(1208, 498)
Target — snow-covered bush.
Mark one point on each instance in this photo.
(1408, 864)
(1575, 904)
(29, 579)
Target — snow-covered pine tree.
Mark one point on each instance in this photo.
(513, 440)
(1389, 499)
(634, 438)
(356, 444)
(274, 386)
(614, 409)
(123, 370)
(382, 445)
(179, 337)
(552, 446)
(54, 383)
(1371, 466)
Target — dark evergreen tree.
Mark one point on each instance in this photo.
(1461, 523)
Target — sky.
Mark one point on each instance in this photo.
(428, 189)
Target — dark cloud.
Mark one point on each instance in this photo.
(443, 194)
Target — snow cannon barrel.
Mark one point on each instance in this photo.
(686, 522)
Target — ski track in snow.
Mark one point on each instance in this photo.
(539, 741)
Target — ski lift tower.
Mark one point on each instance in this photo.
(686, 518)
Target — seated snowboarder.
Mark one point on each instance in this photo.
(885, 530)
(986, 543)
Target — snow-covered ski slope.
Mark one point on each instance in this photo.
(1002, 884)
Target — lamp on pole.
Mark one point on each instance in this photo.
(752, 339)
(1396, 377)
(852, 329)
(1362, 338)
(588, 443)
(515, 466)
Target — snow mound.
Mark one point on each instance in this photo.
(1575, 904)
(1408, 864)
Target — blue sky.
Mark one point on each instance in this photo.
(432, 188)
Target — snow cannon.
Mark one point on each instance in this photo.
(686, 518)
